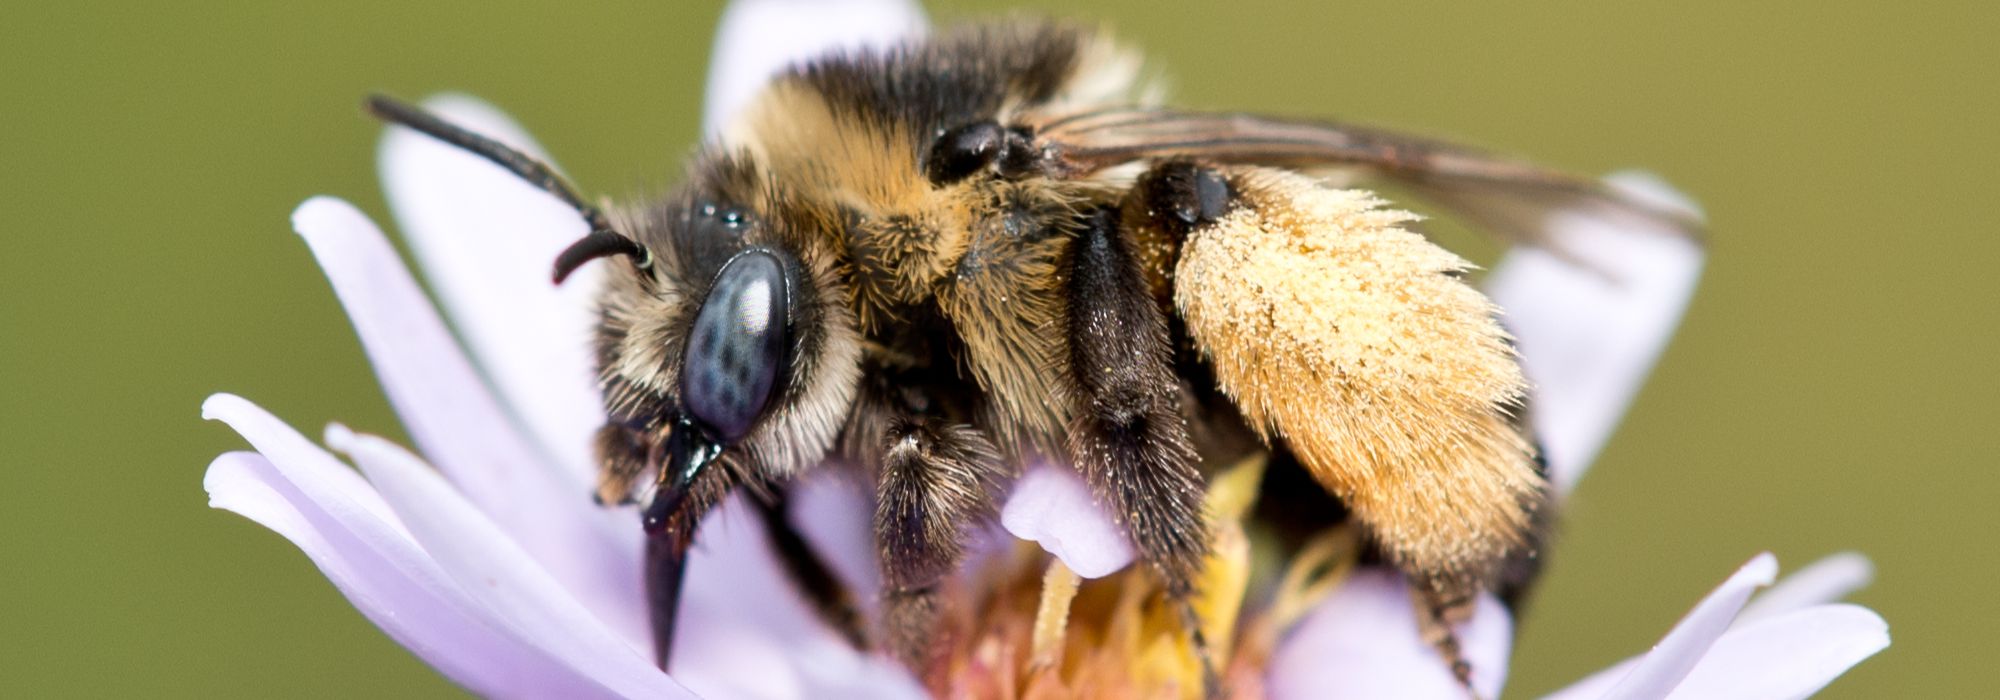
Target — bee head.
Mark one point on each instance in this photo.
(724, 336)
(725, 352)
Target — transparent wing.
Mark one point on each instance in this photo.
(1507, 197)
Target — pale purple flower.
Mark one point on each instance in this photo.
(486, 558)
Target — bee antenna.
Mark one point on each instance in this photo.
(598, 244)
(602, 240)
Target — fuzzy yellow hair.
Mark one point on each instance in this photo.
(1357, 341)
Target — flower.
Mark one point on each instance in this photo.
(485, 557)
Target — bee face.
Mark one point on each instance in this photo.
(723, 357)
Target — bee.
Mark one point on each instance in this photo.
(934, 262)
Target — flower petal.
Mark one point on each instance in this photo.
(498, 573)
(1788, 655)
(1825, 581)
(831, 510)
(1589, 336)
(745, 631)
(1363, 642)
(308, 497)
(1659, 671)
(759, 38)
(1784, 655)
(1051, 506)
(462, 429)
(487, 242)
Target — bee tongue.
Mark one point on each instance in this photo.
(666, 571)
(670, 519)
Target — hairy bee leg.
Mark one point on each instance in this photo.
(831, 599)
(1129, 437)
(622, 457)
(1332, 326)
(935, 480)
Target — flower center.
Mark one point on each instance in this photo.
(1031, 628)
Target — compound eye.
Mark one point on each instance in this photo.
(962, 152)
(736, 348)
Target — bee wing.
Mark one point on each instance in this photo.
(1508, 197)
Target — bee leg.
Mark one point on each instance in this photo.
(1441, 606)
(936, 479)
(830, 598)
(1129, 437)
(622, 454)
(1438, 610)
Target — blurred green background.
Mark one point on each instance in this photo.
(1832, 388)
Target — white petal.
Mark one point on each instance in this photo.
(745, 632)
(1821, 583)
(759, 38)
(461, 428)
(1588, 338)
(1783, 655)
(1825, 581)
(1051, 506)
(1789, 655)
(1363, 642)
(487, 242)
(499, 574)
(1655, 674)
(328, 511)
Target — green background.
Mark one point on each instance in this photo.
(1832, 388)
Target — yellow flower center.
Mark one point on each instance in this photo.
(1028, 627)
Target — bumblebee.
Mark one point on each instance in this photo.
(934, 262)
